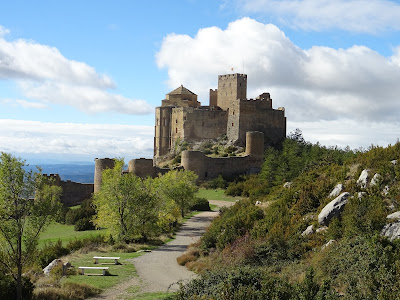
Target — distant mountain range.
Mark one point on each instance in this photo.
(83, 173)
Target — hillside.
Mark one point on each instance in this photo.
(281, 244)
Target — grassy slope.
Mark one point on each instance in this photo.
(65, 233)
(217, 194)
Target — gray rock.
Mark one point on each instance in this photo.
(394, 162)
(321, 229)
(51, 265)
(376, 179)
(328, 244)
(391, 230)
(395, 215)
(287, 185)
(309, 230)
(363, 179)
(333, 209)
(360, 195)
(336, 190)
(385, 190)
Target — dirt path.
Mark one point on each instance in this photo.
(158, 270)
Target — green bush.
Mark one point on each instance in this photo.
(233, 223)
(200, 204)
(84, 224)
(50, 252)
(85, 211)
(8, 287)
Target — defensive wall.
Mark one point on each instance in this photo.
(73, 193)
(211, 167)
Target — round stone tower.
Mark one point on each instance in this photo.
(100, 164)
(255, 143)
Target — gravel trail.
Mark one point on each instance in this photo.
(158, 270)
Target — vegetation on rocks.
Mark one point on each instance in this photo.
(260, 248)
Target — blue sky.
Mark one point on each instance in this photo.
(81, 79)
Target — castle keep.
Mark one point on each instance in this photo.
(181, 117)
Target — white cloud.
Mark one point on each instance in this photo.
(350, 15)
(28, 104)
(318, 84)
(45, 75)
(81, 140)
(3, 31)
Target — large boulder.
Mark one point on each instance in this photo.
(391, 230)
(363, 179)
(333, 209)
(376, 179)
(53, 264)
(336, 190)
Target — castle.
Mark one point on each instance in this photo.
(181, 117)
(245, 122)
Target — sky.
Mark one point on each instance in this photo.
(81, 79)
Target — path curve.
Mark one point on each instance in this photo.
(158, 270)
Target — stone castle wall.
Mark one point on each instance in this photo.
(73, 193)
(210, 167)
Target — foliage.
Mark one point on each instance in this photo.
(84, 224)
(126, 205)
(8, 287)
(50, 252)
(252, 283)
(85, 212)
(200, 204)
(27, 204)
(231, 224)
(178, 186)
(68, 291)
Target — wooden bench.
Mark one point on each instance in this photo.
(104, 269)
(96, 259)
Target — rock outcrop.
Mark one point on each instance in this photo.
(391, 230)
(363, 179)
(333, 209)
(395, 215)
(336, 190)
(309, 230)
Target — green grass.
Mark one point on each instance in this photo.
(118, 273)
(65, 233)
(215, 194)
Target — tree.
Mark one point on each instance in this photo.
(126, 204)
(179, 186)
(27, 204)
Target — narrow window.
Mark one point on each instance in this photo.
(233, 113)
(184, 118)
(176, 121)
(232, 124)
(176, 130)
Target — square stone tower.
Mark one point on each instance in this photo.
(231, 87)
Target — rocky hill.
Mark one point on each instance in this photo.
(318, 223)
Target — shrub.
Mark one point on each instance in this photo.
(68, 291)
(185, 258)
(84, 224)
(50, 252)
(217, 183)
(8, 287)
(85, 211)
(201, 204)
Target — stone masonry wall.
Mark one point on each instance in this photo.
(208, 168)
(73, 193)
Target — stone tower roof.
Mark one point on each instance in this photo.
(181, 91)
